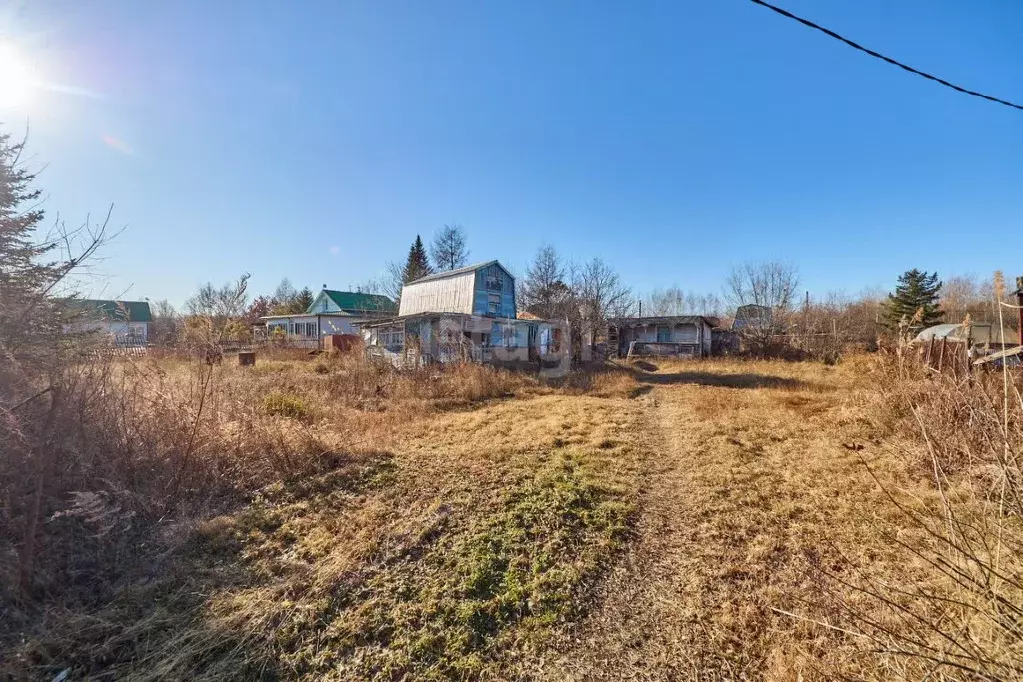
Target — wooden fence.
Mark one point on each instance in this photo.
(947, 356)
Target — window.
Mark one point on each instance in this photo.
(493, 303)
(664, 334)
(310, 329)
(494, 281)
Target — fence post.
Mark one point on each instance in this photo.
(941, 354)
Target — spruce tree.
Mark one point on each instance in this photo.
(417, 265)
(915, 300)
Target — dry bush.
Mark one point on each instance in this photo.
(960, 616)
(146, 454)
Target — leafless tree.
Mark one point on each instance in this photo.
(165, 325)
(448, 249)
(392, 281)
(544, 291)
(762, 294)
(600, 294)
(217, 313)
(670, 301)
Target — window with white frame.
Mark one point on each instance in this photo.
(493, 303)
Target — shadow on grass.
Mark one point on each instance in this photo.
(744, 380)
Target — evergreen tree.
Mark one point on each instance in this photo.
(417, 265)
(915, 300)
(303, 299)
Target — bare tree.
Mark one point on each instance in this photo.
(165, 325)
(217, 314)
(600, 294)
(393, 280)
(670, 301)
(544, 291)
(448, 249)
(762, 294)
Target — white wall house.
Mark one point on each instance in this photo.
(331, 312)
(125, 322)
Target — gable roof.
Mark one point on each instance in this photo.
(459, 271)
(351, 300)
(132, 311)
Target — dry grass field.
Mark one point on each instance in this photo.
(700, 520)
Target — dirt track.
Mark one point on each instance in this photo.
(749, 477)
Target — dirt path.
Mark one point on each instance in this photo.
(747, 475)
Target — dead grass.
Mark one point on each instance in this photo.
(334, 519)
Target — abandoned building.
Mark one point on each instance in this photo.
(677, 335)
(468, 314)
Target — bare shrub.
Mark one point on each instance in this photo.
(961, 617)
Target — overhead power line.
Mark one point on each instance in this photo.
(878, 55)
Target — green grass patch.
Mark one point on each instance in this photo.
(285, 405)
(454, 603)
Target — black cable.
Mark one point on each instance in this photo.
(878, 55)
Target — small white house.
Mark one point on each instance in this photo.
(126, 322)
(331, 312)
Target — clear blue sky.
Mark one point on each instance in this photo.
(313, 140)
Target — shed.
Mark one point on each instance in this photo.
(678, 335)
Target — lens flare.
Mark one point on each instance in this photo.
(15, 78)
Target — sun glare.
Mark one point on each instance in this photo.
(15, 79)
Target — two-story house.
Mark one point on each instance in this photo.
(466, 314)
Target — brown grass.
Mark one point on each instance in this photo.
(330, 518)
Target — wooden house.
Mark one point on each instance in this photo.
(485, 289)
(677, 335)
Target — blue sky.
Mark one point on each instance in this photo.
(313, 140)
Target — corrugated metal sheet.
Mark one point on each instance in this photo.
(450, 294)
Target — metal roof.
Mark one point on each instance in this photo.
(663, 319)
(979, 333)
(336, 313)
(459, 271)
(352, 300)
(133, 311)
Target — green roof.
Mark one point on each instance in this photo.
(350, 300)
(133, 311)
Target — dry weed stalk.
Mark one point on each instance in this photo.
(960, 615)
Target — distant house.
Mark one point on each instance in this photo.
(126, 322)
(468, 314)
(331, 312)
(675, 335)
(485, 289)
(752, 316)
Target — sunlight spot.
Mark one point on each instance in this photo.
(334, 250)
(15, 78)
